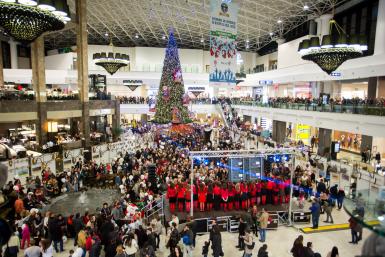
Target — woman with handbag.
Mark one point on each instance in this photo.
(249, 243)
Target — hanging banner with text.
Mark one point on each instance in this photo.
(223, 48)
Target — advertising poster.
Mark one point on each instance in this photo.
(302, 132)
(223, 48)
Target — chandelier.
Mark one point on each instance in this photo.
(25, 20)
(333, 50)
(111, 62)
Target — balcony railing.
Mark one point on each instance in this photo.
(362, 109)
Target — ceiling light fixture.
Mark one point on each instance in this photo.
(279, 21)
(306, 7)
(202, 40)
(163, 37)
(25, 20)
(112, 61)
(136, 36)
(333, 50)
(271, 33)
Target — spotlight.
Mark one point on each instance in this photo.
(279, 21)
(271, 33)
(202, 40)
(163, 37)
(136, 36)
(306, 7)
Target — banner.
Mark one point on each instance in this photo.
(223, 48)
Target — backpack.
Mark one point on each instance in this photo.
(186, 240)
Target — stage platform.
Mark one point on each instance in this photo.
(233, 213)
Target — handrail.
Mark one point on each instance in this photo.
(362, 109)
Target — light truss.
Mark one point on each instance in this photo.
(151, 19)
(244, 154)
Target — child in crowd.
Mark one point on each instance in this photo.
(205, 248)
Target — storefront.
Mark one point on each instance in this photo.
(348, 141)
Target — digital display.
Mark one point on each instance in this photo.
(337, 147)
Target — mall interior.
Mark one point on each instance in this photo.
(143, 128)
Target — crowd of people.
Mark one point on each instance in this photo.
(132, 99)
(120, 227)
(317, 101)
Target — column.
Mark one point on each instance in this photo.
(381, 87)
(116, 117)
(13, 52)
(324, 142)
(312, 27)
(82, 62)
(279, 131)
(39, 87)
(366, 143)
(323, 26)
(372, 88)
(1, 66)
(379, 45)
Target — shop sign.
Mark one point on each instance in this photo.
(335, 74)
(302, 132)
(265, 82)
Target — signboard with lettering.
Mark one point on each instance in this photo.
(223, 48)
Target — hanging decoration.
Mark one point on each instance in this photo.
(165, 93)
(25, 20)
(132, 84)
(186, 100)
(111, 62)
(334, 49)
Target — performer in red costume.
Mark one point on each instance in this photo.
(202, 193)
(231, 191)
(195, 193)
(217, 197)
(276, 191)
(188, 198)
(258, 188)
(244, 196)
(237, 197)
(181, 190)
(253, 193)
(263, 192)
(225, 197)
(210, 197)
(171, 195)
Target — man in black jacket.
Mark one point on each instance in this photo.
(321, 187)
(241, 230)
(56, 233)
(308, 251)
(96, 247)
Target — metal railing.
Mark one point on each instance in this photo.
(156, 207)
(363, 109)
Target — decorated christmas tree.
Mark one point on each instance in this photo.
(171, 100)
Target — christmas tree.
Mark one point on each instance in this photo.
(170, 100)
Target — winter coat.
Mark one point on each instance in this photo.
(95, 249)
(216, 243)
